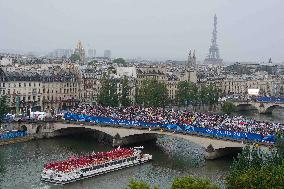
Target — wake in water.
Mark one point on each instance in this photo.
(182, 151)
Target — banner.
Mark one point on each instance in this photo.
(13, 134)
(174, 127)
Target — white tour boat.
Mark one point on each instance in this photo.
(77, 168)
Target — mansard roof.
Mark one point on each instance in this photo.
(40, 76)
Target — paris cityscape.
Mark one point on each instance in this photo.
(164, 95)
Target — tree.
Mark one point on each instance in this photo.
(119, 61)
(75, 57)
(108, 93)
(265, 177)
(203, 95)
(208, 95)
(186, 93)
(133, 184)
(124, 98)
(213, 95)
(4, 108)
(228, 108)
(255, 168)
(93, 62)
(152, 93)
(279, 144)
(192, 183)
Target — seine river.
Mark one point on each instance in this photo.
(22, 163)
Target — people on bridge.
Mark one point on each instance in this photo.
(182, 118)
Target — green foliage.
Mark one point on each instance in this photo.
(179, 183)
(93, 62)
(255, 168)
(228, 108)
(108, 94)
(133, 184)
(213, 94)
(208, 95)
(111, 70)
(187, 93)
(124, 98)
(152, 93)
(4, 109)
(120, 61)
(265, 177)
(280, 147)
(192, 183)
(74, 57)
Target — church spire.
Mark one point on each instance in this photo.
(191, 62)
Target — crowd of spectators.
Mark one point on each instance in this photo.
(182, 117)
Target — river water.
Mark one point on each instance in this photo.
(22, 163)
(276, 116)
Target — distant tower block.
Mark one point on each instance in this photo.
(91, 53)
(80, 51)
(213, 56)
(107, 53)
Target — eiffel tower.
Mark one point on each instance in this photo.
(213, 56)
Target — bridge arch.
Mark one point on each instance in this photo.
(97, 135)
(269, 109)
(38, 129)
(245, 106)
(23, 128)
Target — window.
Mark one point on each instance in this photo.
(20, 85)
(30, 84)
(24, 84)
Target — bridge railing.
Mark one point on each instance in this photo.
(184, 128)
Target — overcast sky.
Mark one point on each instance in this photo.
(248, 30)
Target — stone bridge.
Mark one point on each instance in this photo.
(119, 136)
(262, 107)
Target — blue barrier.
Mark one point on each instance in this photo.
(175, 127)
(270, 99)
(13, 134)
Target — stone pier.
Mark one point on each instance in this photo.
(211, 153)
